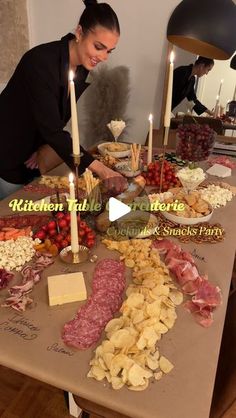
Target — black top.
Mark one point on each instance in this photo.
(183, 86)
(35, 107)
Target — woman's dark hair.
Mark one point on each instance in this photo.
(204, 61)
(98, 14)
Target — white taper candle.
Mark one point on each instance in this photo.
(74, 116)
(73, 218)
(167, 115)
(149, 157)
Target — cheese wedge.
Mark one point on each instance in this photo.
(65, 288)
(219, 170)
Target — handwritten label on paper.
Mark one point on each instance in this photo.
(57, 349)
(198, 256)
(20, 326)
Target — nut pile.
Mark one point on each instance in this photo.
(197, 237)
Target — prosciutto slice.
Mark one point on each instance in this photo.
(205, 295)
(31, 274)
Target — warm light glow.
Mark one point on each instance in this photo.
(172, 57)
(71, 177)
(222, 81)
(150, 118)
(71, 75)
(217, 97)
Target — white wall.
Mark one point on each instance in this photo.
(142, 47)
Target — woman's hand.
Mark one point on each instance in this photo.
(32, 161)
(210, 112)
(113, 180)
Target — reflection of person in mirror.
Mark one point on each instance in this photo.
(184, 82)
(35, 105)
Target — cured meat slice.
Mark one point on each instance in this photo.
(164, 245)
(108, 284)
(21, 221)
(110, 265)
(95, 313)
(192, 286)
(206, 296)
(108, 298)
(203, 317)
(80, 333)
(5, 278)
(31, 274)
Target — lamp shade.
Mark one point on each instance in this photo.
(205, 28)
(233, 62)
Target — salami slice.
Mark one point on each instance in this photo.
(108, 284)
(110, 265)
(80, 333)
(21, 221)
(109, 298)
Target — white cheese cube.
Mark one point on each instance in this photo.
(219, 171)
(65, 288)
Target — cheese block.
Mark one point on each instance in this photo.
(65, 288)
(219, 170)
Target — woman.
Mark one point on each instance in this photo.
(35, 105)
(184, 82)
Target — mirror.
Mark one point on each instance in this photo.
(207, 87)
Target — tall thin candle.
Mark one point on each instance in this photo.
(73, 219)
(149, 157)
(234, 96)
(216, 110)
(169, 92)
(221, 83)
(74, 116)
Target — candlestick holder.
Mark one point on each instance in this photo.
(165, 141)
(77, 159)
(67, 256)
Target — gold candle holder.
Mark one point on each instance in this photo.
(165, 142)
(67, 256)
(77, 159)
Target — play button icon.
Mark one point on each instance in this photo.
(117, 209)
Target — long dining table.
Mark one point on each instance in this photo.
(30, 342)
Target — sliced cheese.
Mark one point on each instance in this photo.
(65, 288)
(219, 170)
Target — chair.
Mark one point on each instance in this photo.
(215, 124)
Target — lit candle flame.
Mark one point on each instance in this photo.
(71, 177)
(71, 75)
(150, 118)
(172, 57)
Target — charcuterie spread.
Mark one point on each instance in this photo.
(134, 297)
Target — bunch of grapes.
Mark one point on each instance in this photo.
(153, 175)
(194, 142)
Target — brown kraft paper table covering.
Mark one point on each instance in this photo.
(31, 342)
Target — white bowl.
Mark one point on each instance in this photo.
(123, 168)
(146, 217)
(102, 149)
(186, 221)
